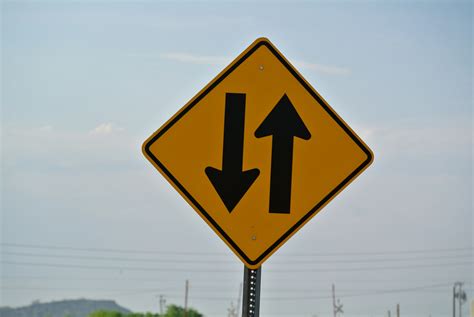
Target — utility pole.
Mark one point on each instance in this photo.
(337, 308)
(398, 310)
(460, 295)
(239, 299)
(162, 304)
(454, 299)
(232, 312)
(186, 299)
(459, 299)
(389, 313)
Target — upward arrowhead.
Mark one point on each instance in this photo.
(283, 120)
(231, 185)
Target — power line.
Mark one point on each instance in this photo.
(113, 250)
(85, 257)
(355, 293)
(193, 261)
(89, 249)
(206, 278)
(118, 268)
(292, 270)
(204, 290)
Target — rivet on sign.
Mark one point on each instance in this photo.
(260, 67)
(254, 238)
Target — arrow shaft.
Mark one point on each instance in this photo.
(281, 173)
(233, 132)
(284, 124)
(231, 183)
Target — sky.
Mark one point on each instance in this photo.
(84, 215)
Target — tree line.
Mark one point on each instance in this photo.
(171, 311)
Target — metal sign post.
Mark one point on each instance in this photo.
(251, 298)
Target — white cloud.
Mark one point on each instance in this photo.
(223, 60)
(105, 129)
(323, 69)
(364, 132)
(65, 149)
(46, 128)
(196, 59)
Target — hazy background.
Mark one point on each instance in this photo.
(85, 215)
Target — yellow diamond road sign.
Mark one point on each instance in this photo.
(257, 152)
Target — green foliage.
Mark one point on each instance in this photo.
(105, 313)
(142, 315)
(171, 311)
(176, 311)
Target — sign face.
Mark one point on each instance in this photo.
(257, 153)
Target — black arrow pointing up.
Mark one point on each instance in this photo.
(232, 183)
(283, 123)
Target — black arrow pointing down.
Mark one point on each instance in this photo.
(231, 183)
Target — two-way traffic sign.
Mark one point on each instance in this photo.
(257, 152)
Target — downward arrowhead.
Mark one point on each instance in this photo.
(283, 120)
(231, 186)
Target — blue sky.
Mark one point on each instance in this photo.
(84, 83)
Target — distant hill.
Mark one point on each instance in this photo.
(64, 308)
